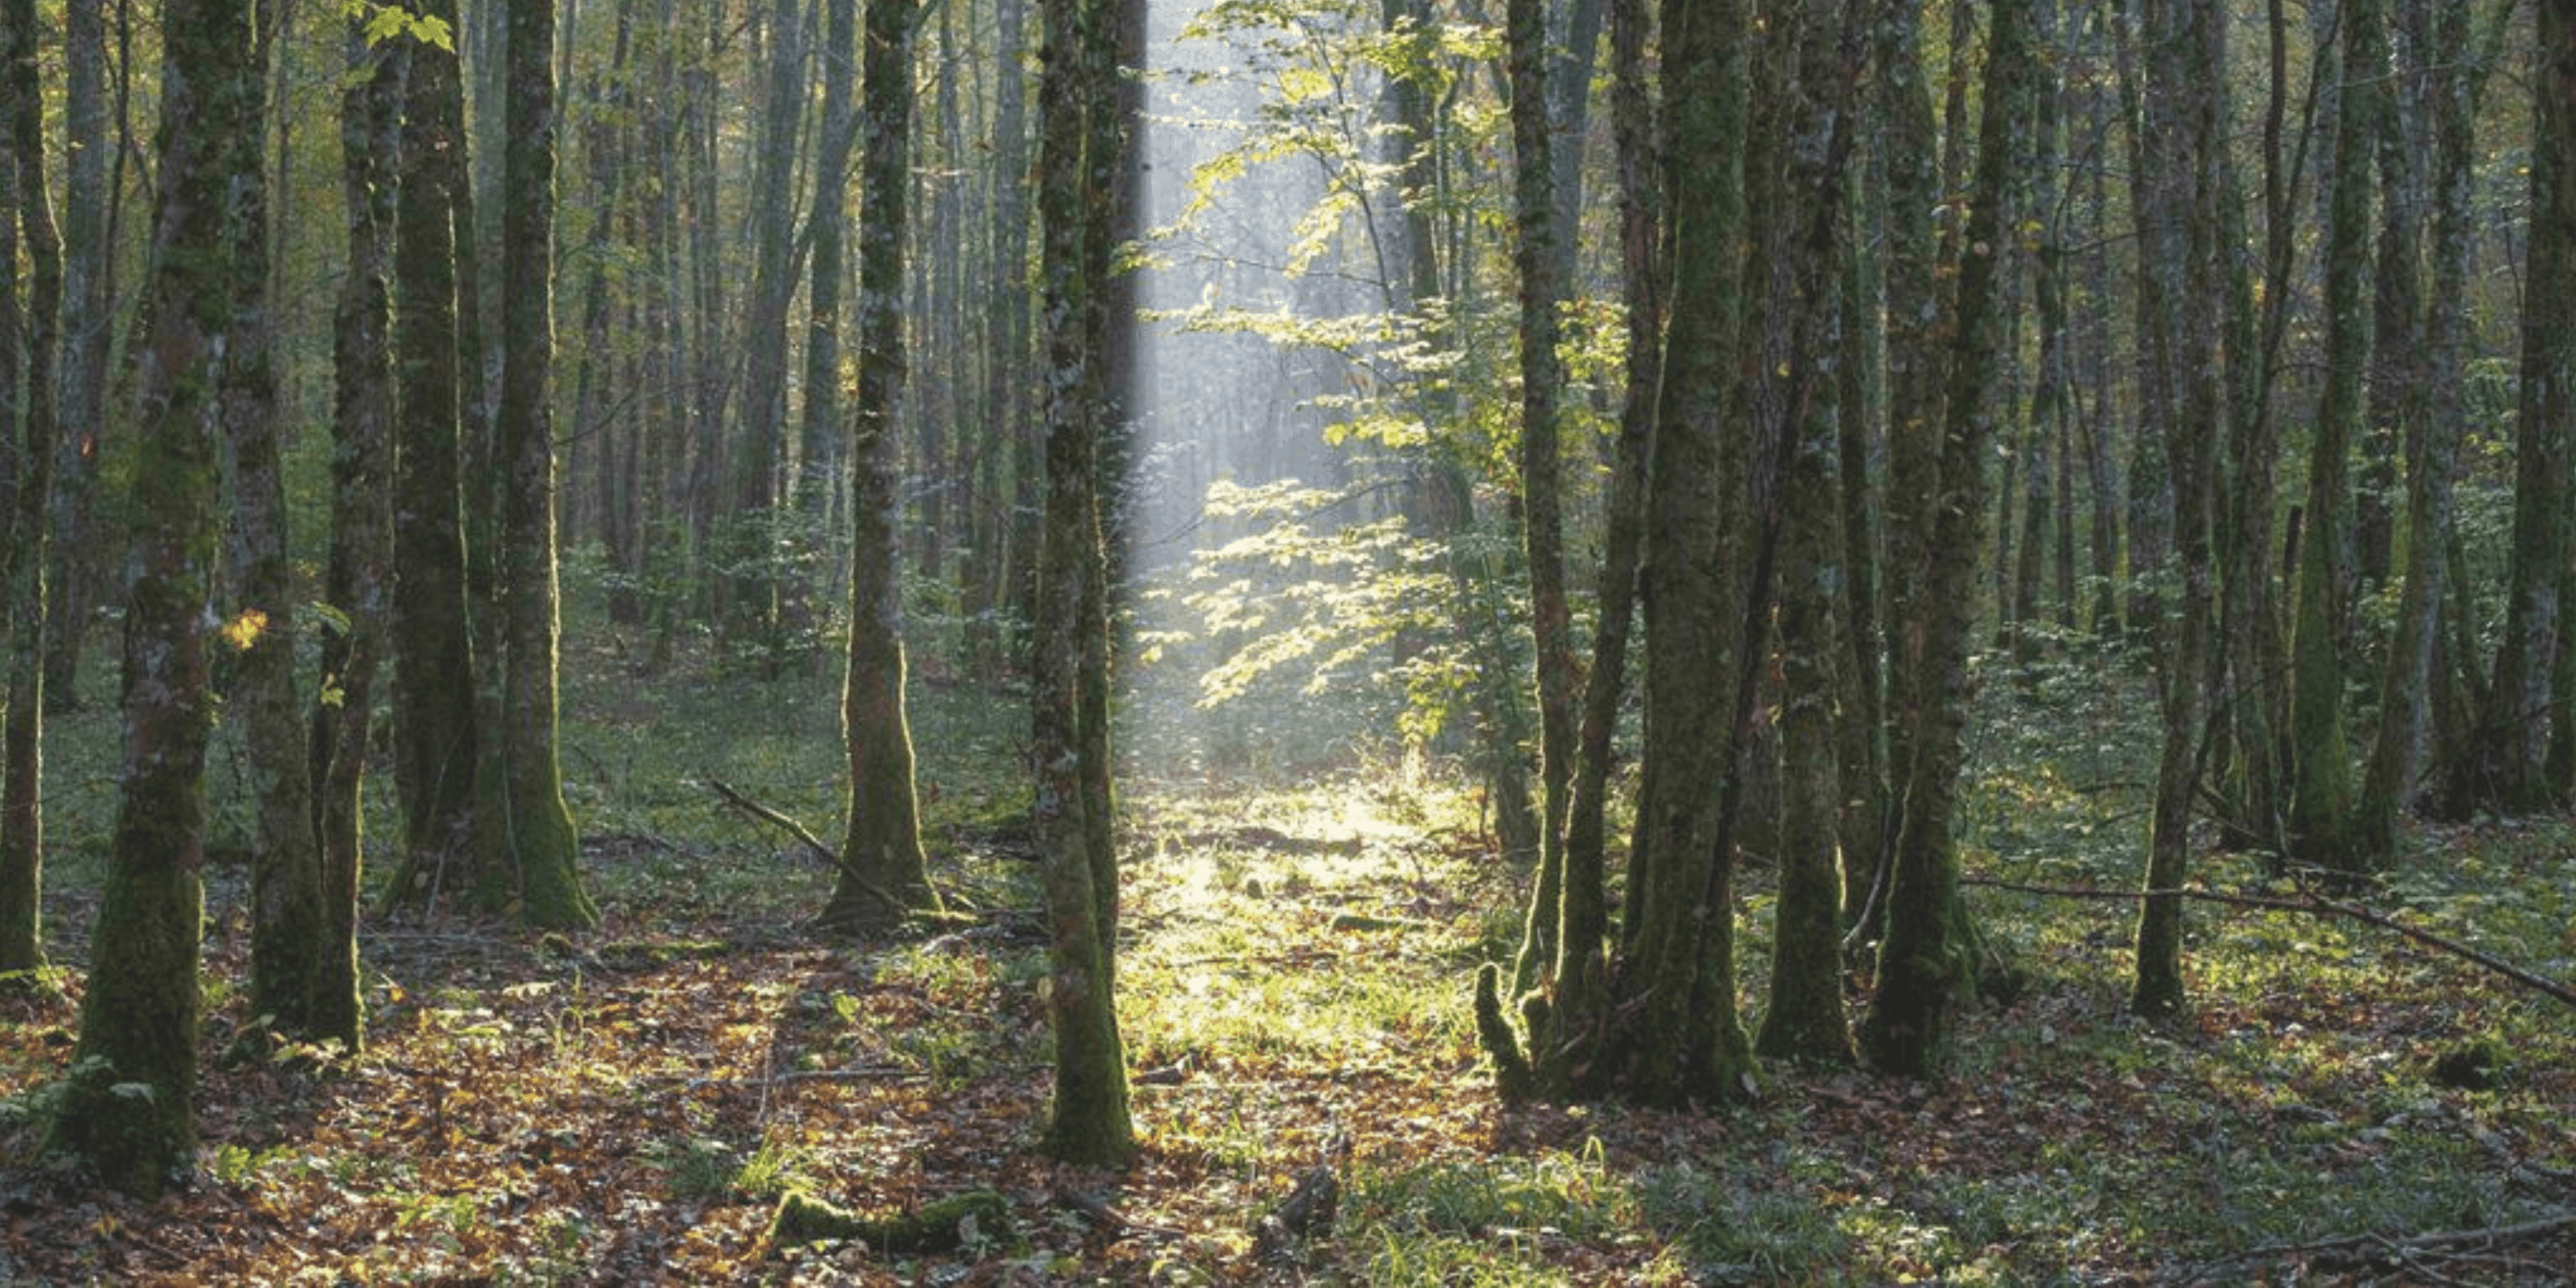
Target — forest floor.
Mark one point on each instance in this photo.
(630, 1104)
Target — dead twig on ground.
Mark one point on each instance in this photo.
(2315, 905)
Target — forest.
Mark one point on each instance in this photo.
(975, 642)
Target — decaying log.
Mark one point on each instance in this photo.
(951, 1224)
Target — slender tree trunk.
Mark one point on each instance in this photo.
(545, 851)
(287, 916)
(1542, 467)
(1089, 1122)
(1582, 981)
(823, 435)
(2441, 38)
(2321, 802)
(31, 431)
(360, 579)
(885, 874)
(2508, 770)
(88, 320)
(2187, 43)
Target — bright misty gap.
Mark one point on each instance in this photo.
(1223, 407)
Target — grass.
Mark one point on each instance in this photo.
(1293, 972)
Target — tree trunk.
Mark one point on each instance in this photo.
(1581, 969)
(886, 874)
(2181, 130)
(360, 578)
(435, 751)
(129, 1105)
(2441, 39)
(545, 851)
(1542, 467)
(89, 271)
(1807, 249)
(2508, 768)
(31, 431)
(1089, 1122)
(1676, 1035)
(2321, 803)
(1928, 955)
(287, 918)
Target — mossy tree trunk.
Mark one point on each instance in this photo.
(286, 930)
(1582, 916)
(130, 1108)
(2441, 40)
(544, 849)
(360, 577)
(1674, 1033)
(1089, 1121)
(1536, 261)
(1916, 328)
(31, 431)
(886, 873)
(2507, 769)
(435, 742)
(1805, 248)
(1927, 956)
(2321, 796)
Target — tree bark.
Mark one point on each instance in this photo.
(2507, 771)
(1542, 466)
(129, 1108)
(287, 918)
(435, 743)
(544, 849)
(884, 845)
(1928, 955)
(359, 582)
(2321, 799)
(31, 430)
(1089, 1122)
(2181, 130)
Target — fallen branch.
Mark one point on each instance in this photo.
(2314, 905)
(2401, 1248)
(849, 871)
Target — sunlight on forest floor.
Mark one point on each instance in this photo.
(628, 1105)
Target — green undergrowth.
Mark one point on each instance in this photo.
(1293, 977)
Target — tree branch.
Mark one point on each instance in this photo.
(813, 845)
